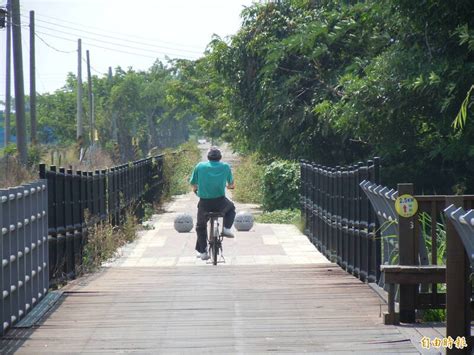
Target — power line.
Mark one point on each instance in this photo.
(50, 46)
(101, 47)
(113, 43)
(102, 41)
(85, 61)
(112, 32)
(113, 37)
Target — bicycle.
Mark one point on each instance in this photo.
(215, 236)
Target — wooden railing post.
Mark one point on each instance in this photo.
(458, 287)
(407, 256)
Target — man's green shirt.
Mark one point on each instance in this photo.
(211, 178)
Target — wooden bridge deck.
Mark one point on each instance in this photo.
(275, 293)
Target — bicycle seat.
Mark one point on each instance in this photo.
(214, 214)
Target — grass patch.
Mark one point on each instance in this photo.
(178, 166)
(291, 216)
(248, 175)
(103, 240)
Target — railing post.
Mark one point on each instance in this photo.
(458, 286)
(363, 225)
(314, 206)
(52, 235)
(43, 253)
(97, 194)
(91, 192)
(357, 222)
(20, 251)
(103, 194)
(309, 199)
(60, 219)
(339, 200)
(302, 191)
(351, 230)
(345, 218)
(377, 233)
(407, 256)
(34, 238)
(77, 216)
(68, 208)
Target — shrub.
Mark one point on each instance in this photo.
(35, 155)
(280, 185)
(12, 173)
(248, 176)
(103, 240)
(178, 166)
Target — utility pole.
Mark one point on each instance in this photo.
(8, 75)
(32, 79)
(91, 102)
(114, 115)
(79, 129)
(19, 85)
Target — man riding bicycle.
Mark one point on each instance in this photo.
(209, 181)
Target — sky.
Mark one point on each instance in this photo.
(117, 33)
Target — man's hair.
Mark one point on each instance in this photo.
(214, 154)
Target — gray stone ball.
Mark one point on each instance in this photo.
(243, 221)
(183, 223)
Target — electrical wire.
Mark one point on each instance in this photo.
(115, 43)
(107, 36)
(85, 61)
(112, 32)
(101, 47)
(107, 42)
(50, 46)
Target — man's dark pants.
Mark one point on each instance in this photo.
(220, 204)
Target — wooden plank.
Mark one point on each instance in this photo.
(415, 277)
(425, 269)
(232, 309)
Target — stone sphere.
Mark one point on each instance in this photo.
(183, 223)
(243, 221)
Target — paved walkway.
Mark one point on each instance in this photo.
(264, 244)
(275, 293)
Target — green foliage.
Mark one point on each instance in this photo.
(461, 117)
(9, 150)
(148, 210)
(248, 176)
(426, 226)
(280, 185)
(434, 315)
(35, 155)
(104, 240)
(140, 108)
(289, 216)
(337, 82)
(178, 166)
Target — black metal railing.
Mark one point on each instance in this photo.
(23, 249)
(77, 200)
(338, 217)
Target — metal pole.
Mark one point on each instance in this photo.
(19, 84)
(114, 115)
(32, 79)
(80, 129)
(8, 75)
(91, 107)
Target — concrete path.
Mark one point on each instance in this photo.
(266, 244)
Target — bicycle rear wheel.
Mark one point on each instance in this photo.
(215, 244)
